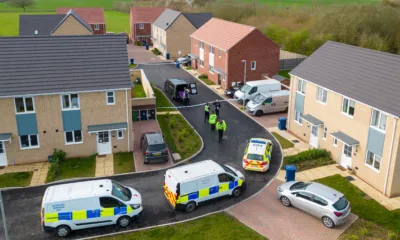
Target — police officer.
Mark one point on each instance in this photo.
(217, 106)
(212, 120)
(221, 127)
(206, 112)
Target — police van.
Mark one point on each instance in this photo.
(187, 186)
(87, 204)
(257, 155)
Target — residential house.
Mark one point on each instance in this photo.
(171, 31)
(346, 99)
(53, 24)
(93, 16)
(223, 50)
(141, 19)
(65, 92)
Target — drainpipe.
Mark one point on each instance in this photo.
(290, 103)
(390, 154)
(127, 120)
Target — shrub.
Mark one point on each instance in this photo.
(59, 154)
(363, 232)
(392, 236)
(308, 155)
(352, 237)
(138, 43)
(172, 123)
(54, 169)
(204, 75)
(156, 51)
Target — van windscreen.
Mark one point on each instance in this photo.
(120, 191)
(258, 98)
(246, 88)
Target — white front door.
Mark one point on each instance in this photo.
(346, 156)
(103, 143)
(314, 136)
(3, 156)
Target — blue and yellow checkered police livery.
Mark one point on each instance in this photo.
(257, 155)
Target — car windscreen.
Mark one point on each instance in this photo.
(228, 169)
(341, 204)
(256, 157)
(246, 88)
(156, 147)
(299, 186)
(120, 191)
(258, 98)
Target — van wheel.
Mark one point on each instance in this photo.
(259, 113)
(237, 192)
(190, 206)
(124, 221)
(63, 230)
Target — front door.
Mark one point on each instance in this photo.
(314, 136)
(346, 155)
(103, 143)
(3, 156)
(219, 79)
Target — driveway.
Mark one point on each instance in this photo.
(141, 55)
(23, 205)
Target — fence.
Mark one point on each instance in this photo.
(289, 60)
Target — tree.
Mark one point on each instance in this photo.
(21, 3)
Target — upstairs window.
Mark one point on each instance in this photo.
(96, 27)
(378, 120)
(110, 98)
(70, 101)
(202, 45)
(141, 25)
(348, 106)
(322, 95)
(212, 49)
(24, 105)
(253, 65)
(301, 86)
(325, 133)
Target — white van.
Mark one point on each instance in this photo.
(80, 205)
(252, 88)
(269, 103)
(187, 186)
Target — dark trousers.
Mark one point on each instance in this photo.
(185, 101)
(212, 126)
(206, 116)
(217, 112)
(220, 135)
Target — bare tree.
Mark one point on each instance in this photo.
(21, 3)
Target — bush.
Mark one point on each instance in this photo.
(138, 43)
(156, 51)
(352, 237)
(59, 154)
(54, 169)
(392, 236)
(204, 75)
(308, 155)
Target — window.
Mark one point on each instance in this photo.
(96, 27)
(110, 98)
(202, 63)
(36, 32)
(341, 204)
(253, 65)
(253, 90)
(297, 117)
(225, 178)
(121, 191)
(70, 101)
(120, 134)
(320, 201)
(24, 105)
(29, 141)
(141, 25)
(109, 202)
(324, 133)
(322, 95)
(211, 68)
(378, 120)
(373, 161)
(202, 45)
(305, 195)
(1, 147)
(212, 49)
(301, 86)
(335, 142)
(347, 150)
(348, 106)
(73, 137)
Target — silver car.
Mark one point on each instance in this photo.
(316, 199)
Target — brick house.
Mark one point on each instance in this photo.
(141, 19)
(58, 100)
(219, 46)
(93, 16)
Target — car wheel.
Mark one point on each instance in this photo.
(328, 222)
(63, 231)
(190, 206)
(259, 113)
(124, 221)
(285, 201)
(237, 192)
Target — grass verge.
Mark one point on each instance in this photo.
(308, 159)
(362, 229)
(138, 91)
(283, 141)
(132, 65)
(162, 101)
(77, 167)
(217, 226)
(18, 179)
(206, 80)
(188, 68)
(124, 162)
(180, 136)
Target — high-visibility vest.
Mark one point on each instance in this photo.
(213, 118)
(206, 108)
(221, 126)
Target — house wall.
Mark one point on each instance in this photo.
(178, 35)
(142, 34)
(357, 127)
(393, 185)
(160, 38)
(94, 110)
(71, 27)
(101, 31)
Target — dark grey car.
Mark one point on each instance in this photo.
(154, 148)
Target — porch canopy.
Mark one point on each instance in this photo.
(193, 55)
(345, 138)
(219, 70)
(313, 120)
(107, 127)
(5, 137)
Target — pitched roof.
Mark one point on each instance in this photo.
(77, 17)
(198, 19)
(90, 15)
(44, 24)
(367, 76)
(55, 64)
(222, 34)
(166, 19)
(146, 14)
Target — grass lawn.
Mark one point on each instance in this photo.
(362, 229)
(77, 167)
(188, 68)
(315, 2)
(52, 4)
(180, 136)
(116, 21)
(285, 73)
(217, 226)
(364, 207)
(19, 179)
(283, 141)
(206, 80)
(138, 91)
(162, 101)
(123, 162)
(132, 65)
(308, 159)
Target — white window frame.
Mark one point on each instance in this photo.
(300, 120)
(377, 127)
(113, 96)
(212, 49)
(201, 44)
(96, 27)
(70, 102)
(122, 132)
(202, 63)
(141, 26)
(348, 107)
(73, 137)
(255, 65)
(335, 142)
(325, 133)
(301, 86)
(373, 162)
(320, 95)
(29, 140)
(24, 101)
(211, 69)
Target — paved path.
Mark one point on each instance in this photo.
(104, 165)
(39, 171)
(141, 55)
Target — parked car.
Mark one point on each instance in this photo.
(321, 201)
(231, 91)
(153, 147)
(185, 60)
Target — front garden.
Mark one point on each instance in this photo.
(309, 159)
(123, 162)
(18, 179)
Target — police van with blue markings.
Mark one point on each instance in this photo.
(80, 205)
(187, 186)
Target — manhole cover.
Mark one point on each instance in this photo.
(349, 178)
(296, 141)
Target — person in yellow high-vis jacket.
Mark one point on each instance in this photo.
(212, 120)
(206, 112)
(221, 128)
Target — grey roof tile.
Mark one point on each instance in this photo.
(44, 24)
(368, 76)
(166, 19)
(198, 19)
(55, 64)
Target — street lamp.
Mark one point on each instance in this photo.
(244, 83)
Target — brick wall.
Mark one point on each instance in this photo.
(101, 31)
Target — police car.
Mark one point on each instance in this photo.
(257, 155)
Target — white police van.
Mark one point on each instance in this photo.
(87, 204)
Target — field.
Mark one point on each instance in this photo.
(51, 5)
(315, 2)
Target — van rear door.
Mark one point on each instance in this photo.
(170, 189)
(193, 88)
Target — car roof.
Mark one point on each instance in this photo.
(324, 191)
(258, 145)
(262, 82)
(195, 170)
(154, 138)
(78, 190)
(177, 81)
